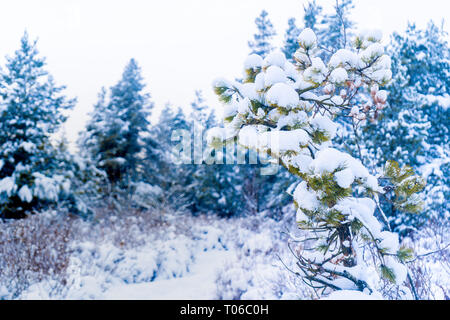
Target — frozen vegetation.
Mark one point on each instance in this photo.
(326, 178)
(167, 255)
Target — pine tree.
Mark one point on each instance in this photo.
(261, 45)
(337, 197)
(336, 27)
(95, 129)
(115, 132)
(34, 174)
(133, 109)
(215, 183)
(166, 166)
(435, 88)
(312, 15)
(290, 38)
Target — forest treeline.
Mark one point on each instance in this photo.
(124, 161)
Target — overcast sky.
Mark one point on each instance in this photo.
(181, 45)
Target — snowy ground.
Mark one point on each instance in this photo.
(179, 257)
(174, 257)
(198, 284)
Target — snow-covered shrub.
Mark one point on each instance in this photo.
(33, 250)
(146, 195)
(287, 110)
(113, 254)
(431, 266)
(255, 268)
(137, 254)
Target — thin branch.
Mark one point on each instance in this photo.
(420, 256)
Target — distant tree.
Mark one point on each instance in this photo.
(291, 39)
(261, 44)
(312, 15)
(115, 132)
(414, 128)
(34, 174)
(165, 166)
(336, 27)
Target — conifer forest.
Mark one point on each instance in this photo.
(208, 150)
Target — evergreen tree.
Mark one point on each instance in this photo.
(133, 109)
(290, 39)
(166, 166)
(336, 27)
(95, 128)
(34, 174)
(114, 134)
(200, 110)
(414, 128)
(435, 88)
(337, 198)
(312, 15)
(261, 44)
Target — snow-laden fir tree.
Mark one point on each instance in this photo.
(201, 113)
(414, 129)
(34, 173)
(114, 135)
(288, 110)
(262, 39)
(88, 141)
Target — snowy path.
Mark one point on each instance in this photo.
(198, 284)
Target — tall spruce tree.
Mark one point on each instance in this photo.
(34, 174)
(133, 109)
(261, 44)
(114, 135)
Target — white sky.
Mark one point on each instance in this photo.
(181, 45)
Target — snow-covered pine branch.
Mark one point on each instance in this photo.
(287, 110)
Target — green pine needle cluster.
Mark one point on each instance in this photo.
(406, 185)
(329, 188)
(225, 94)
(388, 273)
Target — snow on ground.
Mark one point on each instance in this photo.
(178, 257)
(198, 284)
(183, 257)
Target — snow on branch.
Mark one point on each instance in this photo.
(288, 110)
